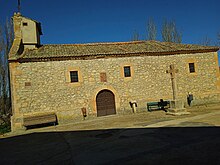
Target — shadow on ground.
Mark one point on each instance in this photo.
(176, 145)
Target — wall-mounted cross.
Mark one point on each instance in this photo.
(173, 72)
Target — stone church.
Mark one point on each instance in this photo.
(102, 78)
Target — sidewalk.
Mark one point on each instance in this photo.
(198, 118)
(138, 120)
(144, 119)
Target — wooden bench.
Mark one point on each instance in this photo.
(158, 105)
(40, 119)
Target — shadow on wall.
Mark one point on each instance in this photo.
(173, 145)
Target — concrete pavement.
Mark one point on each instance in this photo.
(209, 119)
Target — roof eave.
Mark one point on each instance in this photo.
(112, 55)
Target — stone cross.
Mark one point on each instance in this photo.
(19, 6)
(173, 72)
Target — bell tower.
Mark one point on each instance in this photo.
(27, 30)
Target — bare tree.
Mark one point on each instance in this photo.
(177, 36)
(6, 39)
(170, 32)
(151, 30)
(167, 31)
(136, 36)
(206, 41)
(218, 39)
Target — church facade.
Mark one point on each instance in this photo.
(103, 77)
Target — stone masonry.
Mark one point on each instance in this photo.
(44, 86)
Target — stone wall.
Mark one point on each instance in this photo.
(45, 86)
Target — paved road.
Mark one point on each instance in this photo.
(186, 140)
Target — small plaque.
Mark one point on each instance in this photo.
(103, 77)
(27, 84)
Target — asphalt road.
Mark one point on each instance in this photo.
(187, 140)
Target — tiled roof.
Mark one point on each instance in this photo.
(112, 49)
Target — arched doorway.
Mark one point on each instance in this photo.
(105, 103)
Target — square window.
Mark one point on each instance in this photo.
(192, 68)
(74, 76)
(25, 24)
(127, 71)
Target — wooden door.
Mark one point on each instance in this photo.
(105, 102)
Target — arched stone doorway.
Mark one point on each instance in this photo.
(105, 103)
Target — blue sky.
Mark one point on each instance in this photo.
(83, 21)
